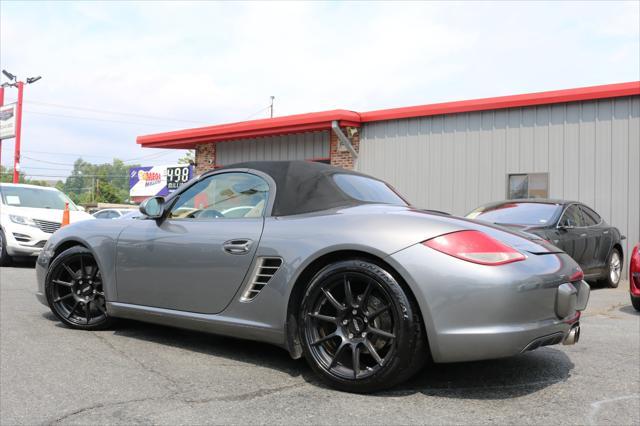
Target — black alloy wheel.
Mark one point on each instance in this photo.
(75, 292)
(359, 329)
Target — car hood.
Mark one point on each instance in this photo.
(49, 215)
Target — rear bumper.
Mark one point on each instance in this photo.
(473, 312)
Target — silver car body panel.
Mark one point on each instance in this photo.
(470, 311)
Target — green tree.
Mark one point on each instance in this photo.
(189, 157)
(6, 175)
(107, 183)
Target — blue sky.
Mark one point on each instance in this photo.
(207, 63)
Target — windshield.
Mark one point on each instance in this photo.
(21, 196)
(366, 189)
(517, 213)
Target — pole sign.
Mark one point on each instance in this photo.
(8, 121)
(157, 180)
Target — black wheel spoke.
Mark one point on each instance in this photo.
(92, 274)
(377, 312)
(66, 296)
(69, 270)
(365, 296)
(324, 339)
(339, 306)
(325, 318)
(87, 311)
(355, 354)
(82, 272)
(381, 333)
(64, 283)
(334, 361)
(73, 309)
(348, 296)
(373, 352)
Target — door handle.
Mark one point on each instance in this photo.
(583, 235)
(240, 246)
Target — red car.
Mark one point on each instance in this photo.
(634, 277)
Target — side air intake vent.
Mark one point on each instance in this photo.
(266, 268)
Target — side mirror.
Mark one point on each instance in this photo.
(153, 207)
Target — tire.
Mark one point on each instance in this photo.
(5, 259)
(635, 301)
(614, 269)
(356, 310)
(74, 291)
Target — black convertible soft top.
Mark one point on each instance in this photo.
(303, 186)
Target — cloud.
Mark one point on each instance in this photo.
(220, 62)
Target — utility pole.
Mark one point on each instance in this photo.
(20, 86)
(271, 106)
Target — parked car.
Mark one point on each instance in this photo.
(29, 214)
(572, 226)
(330, 264)
(634, 277)
(111, 213)
(131, 214)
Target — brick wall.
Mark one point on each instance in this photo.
(205, 157)
(340, 156)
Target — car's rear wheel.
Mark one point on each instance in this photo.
(5, 259)
(75, 292)
(614, 269)
(360, 330)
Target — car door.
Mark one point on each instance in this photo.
(571, 235)
(600, 239)
(196, 259)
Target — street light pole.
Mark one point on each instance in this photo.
(16, 156)
(20, 86)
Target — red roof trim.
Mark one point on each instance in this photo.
(289, 124)
(317, 121)
(513, 101)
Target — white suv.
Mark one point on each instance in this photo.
(28, 216)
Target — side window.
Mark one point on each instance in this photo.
(590, 217)
(571, 217)
(227, 195)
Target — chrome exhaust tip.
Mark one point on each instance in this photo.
(573, 336)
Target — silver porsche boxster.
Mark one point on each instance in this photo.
(329, 264)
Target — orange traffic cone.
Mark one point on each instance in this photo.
(65, 215)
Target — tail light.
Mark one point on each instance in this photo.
(576, 276)
(476, 247)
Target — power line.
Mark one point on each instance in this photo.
(77, 117)
(102, 111)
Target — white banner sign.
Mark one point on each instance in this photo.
(8, 121)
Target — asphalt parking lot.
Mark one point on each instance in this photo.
(140, 373)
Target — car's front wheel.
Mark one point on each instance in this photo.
(360, 330)
(635, 301)
(75, 292)
(5, 259)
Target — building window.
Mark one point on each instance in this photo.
(528, 185)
